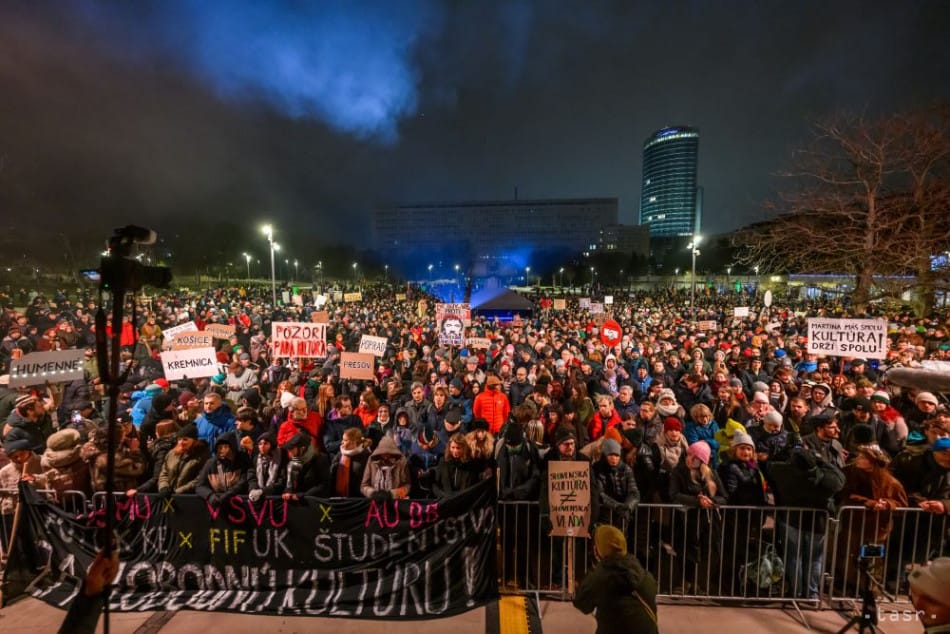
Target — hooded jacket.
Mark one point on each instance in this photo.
(223, 478)
(267, 471)
(390, 481)
(180, 472)
(65, 469)
(623, 593)
(308, 475)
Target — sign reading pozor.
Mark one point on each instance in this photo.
(865, 338)
(298, 339)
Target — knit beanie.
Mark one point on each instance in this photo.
(701, 450)
(610, 541)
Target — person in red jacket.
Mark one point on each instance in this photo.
(300, 418)
(492, 405)
(604, 418)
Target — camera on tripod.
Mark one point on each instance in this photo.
(119, 270)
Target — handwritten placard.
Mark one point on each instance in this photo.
(569, 497)
(220, 331)
(375, 346)
(354, 365)
(299, 339)
(38, 368)
(191, 340)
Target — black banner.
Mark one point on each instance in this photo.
(352, 558)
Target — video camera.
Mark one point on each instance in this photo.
(119, 271)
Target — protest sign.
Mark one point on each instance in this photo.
(611, 333)
(220, 331)
(297, 300)
(320, 301)
(320, 317)
(354, 365)
(192, 364)
(596, 308)
(285, 297)
(569, 497)
(354, 558)
(584, 302)
(866, 338)
(337, 296)
(38, 368)
(188, 326)
(608, 300)
(560, 304)
(400, 297)
(452, 320)
(373, 345)
(478, 342)
(299, 339)
(353, 297)
(708, 325)
(192, 339)
(741, 311)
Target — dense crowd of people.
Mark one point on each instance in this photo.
(740, 414)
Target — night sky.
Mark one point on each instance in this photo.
(311, 114)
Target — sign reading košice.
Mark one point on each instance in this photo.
(866, 338)
(192, 339)
(299, 339)
(192, 364)
(341, 557)
(38, 368)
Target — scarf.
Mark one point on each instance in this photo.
(668, 410)
(670, 452)
(342, 484)
(266, 470)
(383, 478)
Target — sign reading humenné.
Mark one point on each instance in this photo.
(38, 368)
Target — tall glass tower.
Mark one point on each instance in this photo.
(668, 198)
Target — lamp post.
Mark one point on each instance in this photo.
(268, 231)
(248, 258)
(386, 272)
(527, 276)
(756, 269)
(430, 274)
(561, 273)
(694, 249)
(355, 276)
(287, 267)
(592, 273)
(295, 270)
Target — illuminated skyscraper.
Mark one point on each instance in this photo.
(668, 198)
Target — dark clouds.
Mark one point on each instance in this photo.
(313, 114)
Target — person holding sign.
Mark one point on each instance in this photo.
(618, 588)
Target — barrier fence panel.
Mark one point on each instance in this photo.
(891, 541)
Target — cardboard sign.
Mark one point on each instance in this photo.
(320, 301)
(584, 302)
(560, 304)
(400, 297)
(708, 325)
(596, 308)
(37, 368)
(220, 331)
(285, 297)
(569, 497)
(353, 297)
(462, 311)
(168, 333)
(354, 365)
(337, 296)
(191, 364)
(478, 342)
(320, 317)
(767, 300)
(375, 346)
(297, 300)
(299, 339)
(608, 300)
(865, 338)
(741, 311)
(191, 340)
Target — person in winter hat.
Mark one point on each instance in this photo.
(619, 494)
(24, 465)
(65, 469)
(387, 473)
(225, 474)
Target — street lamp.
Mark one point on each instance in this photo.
(430, 274)
(268, 231)
(248, 258)
(457, 267)
(527, 276)
(561, 271)
(694, 249)
(295, 270)
(354, 272)
(287, 267)
(386, 271)
(592, 279)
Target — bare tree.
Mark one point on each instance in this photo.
(867, 197)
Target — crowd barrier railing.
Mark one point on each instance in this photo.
(752, 554)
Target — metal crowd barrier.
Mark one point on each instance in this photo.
(752, 554)
(908, 536)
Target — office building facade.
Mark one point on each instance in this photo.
(668, 199)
